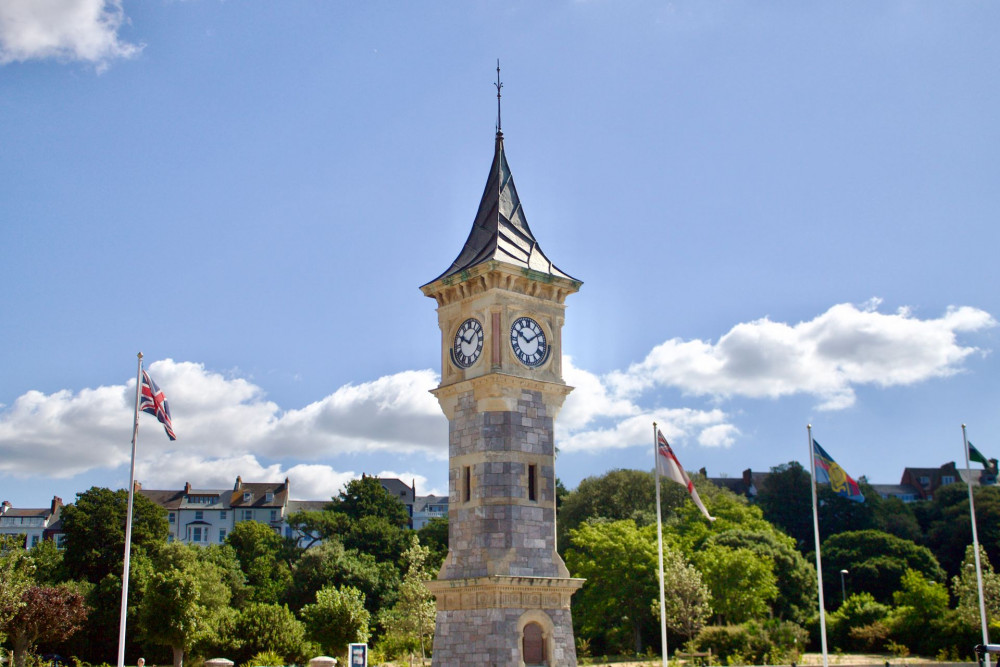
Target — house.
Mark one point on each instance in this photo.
(426, 508)
(207, 516)
(33, 524)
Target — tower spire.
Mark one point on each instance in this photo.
(498, 85)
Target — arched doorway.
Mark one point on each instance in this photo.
(533, 645)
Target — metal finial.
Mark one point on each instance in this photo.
(498, 85)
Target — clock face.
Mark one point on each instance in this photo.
(468, 343)
(528, 341)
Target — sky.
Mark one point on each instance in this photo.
(783, 213)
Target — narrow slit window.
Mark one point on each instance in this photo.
(466, 484)
(532, 483)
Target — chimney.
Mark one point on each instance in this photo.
(704, 473)
(187, 488)
(56, 504)
(748, 477)
(138, 485)
(239, 483)
(4, 506)
(414, 488)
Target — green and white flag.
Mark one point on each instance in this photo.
(974, 455)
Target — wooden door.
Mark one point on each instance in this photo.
(533, 650)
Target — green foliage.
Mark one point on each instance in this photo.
(366, 498)
(336, 619)
(48, 563)
(269, 627)
(796, 575)
(265, 659)
(16, 571)
(183, 599)
(876, 562)
(687, 601)
(434, 536)
(921, 620)
(95, 531)
(948, 527)
(409, 625)
(753, 642)
(331, 565)
(965, 588)
(615, 495)
(742, 583)
(859, 624)
(618, 560)
(262, 557)
(786, 501)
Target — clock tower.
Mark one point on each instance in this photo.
(503, 593)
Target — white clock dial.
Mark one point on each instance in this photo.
(528, 341)
(468, 343)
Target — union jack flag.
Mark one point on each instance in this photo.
(152, 400)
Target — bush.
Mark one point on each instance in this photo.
(265, 659)
(752, 642)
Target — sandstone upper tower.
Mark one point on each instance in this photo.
(503, 593)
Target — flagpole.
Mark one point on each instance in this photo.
(975, 547)
(819, 564)
(659, 541)
(128, 520)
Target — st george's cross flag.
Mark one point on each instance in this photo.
(829, 472)
(668, 466)
(153, 401)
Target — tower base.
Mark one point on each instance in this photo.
(503, 621)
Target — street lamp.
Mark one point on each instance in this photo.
(843, 589)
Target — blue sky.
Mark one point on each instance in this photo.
(783, 213)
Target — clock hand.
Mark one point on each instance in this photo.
(472, 334)
(528, 340)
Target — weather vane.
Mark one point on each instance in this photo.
(499, 85)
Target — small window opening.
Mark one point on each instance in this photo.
(532, 483)
(466, 484)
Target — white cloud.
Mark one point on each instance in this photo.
(222, 424)
(827, 357)
(85, 30)
(226, 425)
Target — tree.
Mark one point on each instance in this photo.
(786, 501)
(331, 565)
(366, 497)
(615, 495)
(921, 612)
(16, 571)
(49, 614)
(742, 583)
(618, 560)
(95, 531)
(876, 561)
(262, 555)
(47, 560)
(797, 576)
(336, 619)
(966, 589)
(410, 622)
(434, 536)
(859, 623)
(687, 600)
(183, 600)
(949, 530)
(268, 627)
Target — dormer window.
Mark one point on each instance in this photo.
(269, 496)
(247, 496)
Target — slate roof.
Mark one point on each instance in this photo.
(500, 231)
